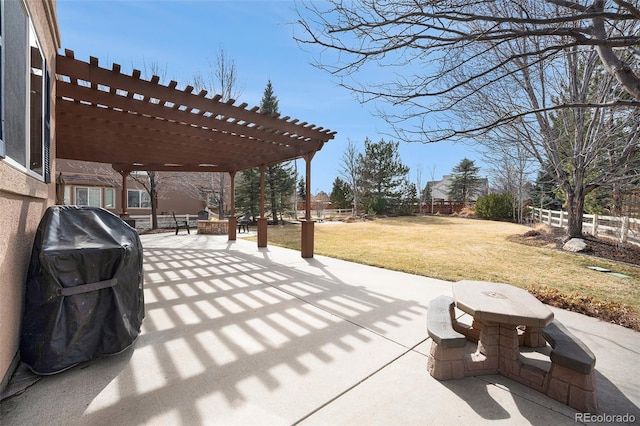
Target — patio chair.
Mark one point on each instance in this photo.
(182, 224)
(243, 223)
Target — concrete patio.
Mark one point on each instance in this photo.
(234, 334)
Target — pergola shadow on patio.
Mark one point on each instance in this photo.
(223, 331)
(236, 334)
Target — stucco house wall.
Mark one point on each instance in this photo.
(23, 199)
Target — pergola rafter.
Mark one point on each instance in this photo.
(106, 116)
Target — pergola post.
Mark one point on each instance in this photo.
(307, 224)
(123, 195)
(262, 220)
(232, 217)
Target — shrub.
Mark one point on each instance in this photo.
(495, 206)
(377, 205)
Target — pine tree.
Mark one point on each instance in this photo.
(340, 195)
(465, 182)
(280, 179)
(545, 191)
(248, 192)
(382, 175)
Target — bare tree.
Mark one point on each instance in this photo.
(152, 181)
(425, 43)
(221, 78)
(511, 169)
(534, 60)
(419, 187)
(590, 144)
(432, 175)
(155, 183)
(350, 171)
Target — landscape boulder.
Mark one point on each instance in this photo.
(575, 245)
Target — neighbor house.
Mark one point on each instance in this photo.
(440, 188)
(98, 185)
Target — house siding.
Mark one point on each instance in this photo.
(85, 174)
(440, 188)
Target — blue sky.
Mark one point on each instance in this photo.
(185, 36)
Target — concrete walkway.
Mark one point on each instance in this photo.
(234, 335)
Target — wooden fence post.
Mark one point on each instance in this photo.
(594, 226)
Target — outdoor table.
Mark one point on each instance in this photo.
(498, 309)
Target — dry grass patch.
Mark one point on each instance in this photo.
(453, 248)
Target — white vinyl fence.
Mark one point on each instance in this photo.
(624, 229)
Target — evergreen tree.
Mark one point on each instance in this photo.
(465, 182)
(545, 192)
(302, 189)
(408, 198)
(280, 178)
(341, 195)
(382, 175)
(248, 192)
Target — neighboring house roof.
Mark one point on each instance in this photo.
(103, 115)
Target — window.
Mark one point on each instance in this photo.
(24, 93)
(109, 198)
(88, 196)
(138, 199)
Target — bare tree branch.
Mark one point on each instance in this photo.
(426, 42)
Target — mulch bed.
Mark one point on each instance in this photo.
(597, 247)
(604, 248)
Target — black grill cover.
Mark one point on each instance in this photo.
(84, 289)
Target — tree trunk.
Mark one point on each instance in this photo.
(221, 202)
(575, 212)
(616, 200)
(153, 194)
(274, 207)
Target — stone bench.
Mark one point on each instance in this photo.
(446, 358)
(571, 379)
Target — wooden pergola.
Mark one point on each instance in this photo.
(106, 116)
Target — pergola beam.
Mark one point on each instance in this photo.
(106, 116)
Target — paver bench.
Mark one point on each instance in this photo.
(571, 379)
(446, 358)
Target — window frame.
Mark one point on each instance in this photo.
(44, 164)
(141, 193)
(89, 190)
(112, 204)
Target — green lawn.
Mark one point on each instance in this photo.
(452, 248)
